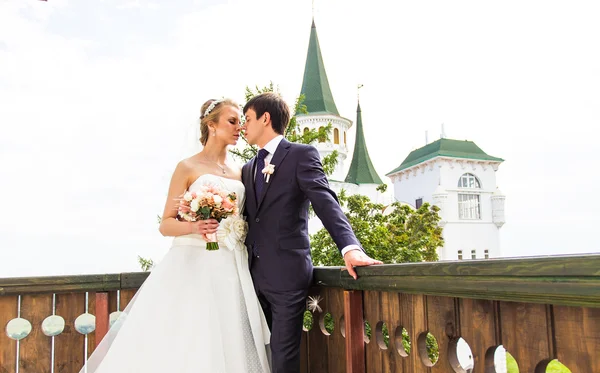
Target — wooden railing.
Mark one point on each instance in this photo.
(38, 298)
(538, 309)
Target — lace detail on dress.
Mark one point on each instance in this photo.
(249, 346)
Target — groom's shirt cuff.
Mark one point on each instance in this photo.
(349, 248)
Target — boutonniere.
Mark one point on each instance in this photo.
(268, 171)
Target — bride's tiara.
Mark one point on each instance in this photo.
(211, 107)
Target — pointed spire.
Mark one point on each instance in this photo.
(315, 86)
(361, 169)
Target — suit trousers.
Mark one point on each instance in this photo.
(284, 311)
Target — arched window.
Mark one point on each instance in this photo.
(322, 138)
(345, 138)
(336, 136)
(306, 130)
(469, 181)
(469, 202)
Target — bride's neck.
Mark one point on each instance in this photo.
(214, 152)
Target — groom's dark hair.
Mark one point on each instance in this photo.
(273, 104)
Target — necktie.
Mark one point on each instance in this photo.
(259, 183)
(259, 179)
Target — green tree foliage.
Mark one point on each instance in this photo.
(393, 234)
(433, 349)
(145, 264)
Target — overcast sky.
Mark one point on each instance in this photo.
(97, 98)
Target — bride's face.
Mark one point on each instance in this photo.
(227, 130)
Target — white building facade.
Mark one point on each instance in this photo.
(460, 179)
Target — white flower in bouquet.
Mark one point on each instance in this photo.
(195, 205)
(232, 231)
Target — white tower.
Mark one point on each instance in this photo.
(460, 179)
(321, 106)
(361, 178)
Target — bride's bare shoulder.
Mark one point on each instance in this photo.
(183, 166)
(188, 169)
(191, 164)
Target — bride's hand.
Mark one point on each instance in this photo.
(205, 226)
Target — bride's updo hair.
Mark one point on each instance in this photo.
(210, 112)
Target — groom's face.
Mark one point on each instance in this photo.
(254, 127)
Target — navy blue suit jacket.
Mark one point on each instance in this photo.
(278, 219)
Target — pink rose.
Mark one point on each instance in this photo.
(227, 204)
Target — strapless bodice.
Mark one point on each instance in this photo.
(220, 182)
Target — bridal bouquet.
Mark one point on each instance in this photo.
(209, 202)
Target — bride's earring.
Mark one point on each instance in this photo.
(214, 133)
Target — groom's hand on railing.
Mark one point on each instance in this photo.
(357, 258)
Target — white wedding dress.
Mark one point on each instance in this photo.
(196, 312)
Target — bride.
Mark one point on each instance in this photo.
(197, 311)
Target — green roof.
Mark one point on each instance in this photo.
(315, 86)
(361, 169)
(445, 148)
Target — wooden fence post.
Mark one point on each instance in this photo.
(101, 316)
(354, 325)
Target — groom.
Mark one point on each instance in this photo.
(280, 183)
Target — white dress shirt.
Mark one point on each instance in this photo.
(271, 147)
